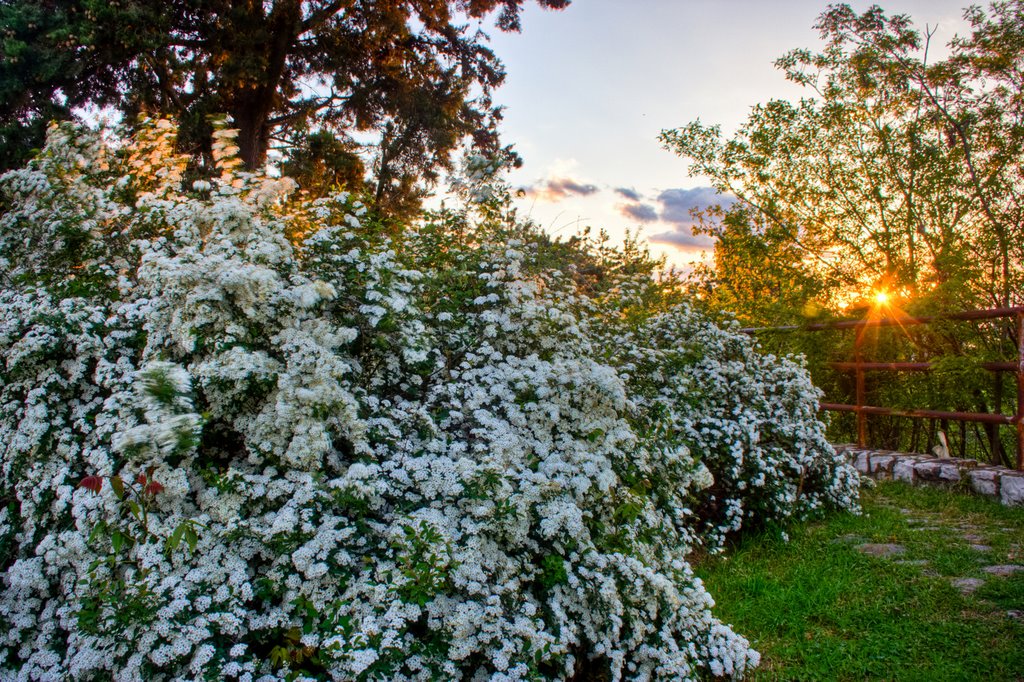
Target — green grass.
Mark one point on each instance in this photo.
(819, 609)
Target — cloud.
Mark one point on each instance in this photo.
(644, 213)
(676, 206)
(684, 238)
(628, 193)
(556, 189)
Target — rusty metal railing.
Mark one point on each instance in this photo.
(859, 366)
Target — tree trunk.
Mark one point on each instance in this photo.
(253, 133)
(252, 104)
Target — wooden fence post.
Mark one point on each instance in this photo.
(1019, 418)
(858, 359)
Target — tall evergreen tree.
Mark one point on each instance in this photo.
(402, 79)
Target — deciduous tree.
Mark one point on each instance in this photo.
(898, 172)
(895, 169)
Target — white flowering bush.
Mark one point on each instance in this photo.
(749, 417)
(249, 437)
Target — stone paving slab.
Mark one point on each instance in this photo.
(881, 549)
(1003, 570)
(968, 585)
(974, 535)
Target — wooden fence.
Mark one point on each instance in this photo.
(860, 367)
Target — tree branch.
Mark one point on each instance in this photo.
(321, 15)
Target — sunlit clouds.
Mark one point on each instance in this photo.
(666, 217)
(556, 189)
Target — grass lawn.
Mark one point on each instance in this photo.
(818, 607)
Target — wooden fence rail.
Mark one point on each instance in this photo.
(859, 367)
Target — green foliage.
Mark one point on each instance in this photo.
(759, 273)
(114, 603)
(553, 571)
(322, 163)
(186, 530)
(159, 386)
(424, 562)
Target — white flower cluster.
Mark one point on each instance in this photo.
(244, 439)
(750, 416)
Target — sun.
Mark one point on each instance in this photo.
(881, 298)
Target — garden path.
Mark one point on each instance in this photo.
(981, 539)
(925, 584)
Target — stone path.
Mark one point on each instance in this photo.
(990, 565)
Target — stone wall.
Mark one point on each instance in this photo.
(1006, 485)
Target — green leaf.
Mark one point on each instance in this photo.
(553, 571)
(175, 539)
(118, 485)
(190, 537)
(97, 531)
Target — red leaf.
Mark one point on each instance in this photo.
(141, 479)
(93, 483)
(153, 488)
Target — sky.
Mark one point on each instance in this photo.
(589, 89)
